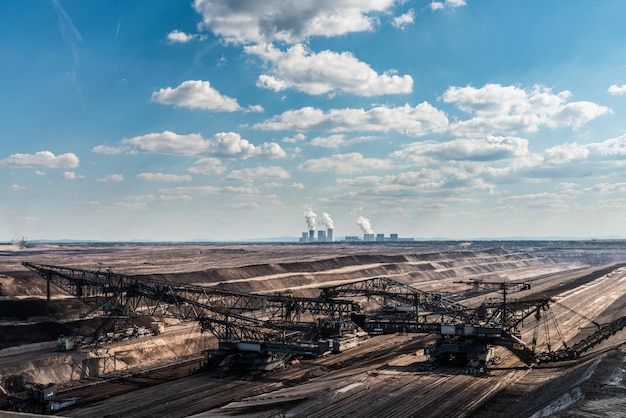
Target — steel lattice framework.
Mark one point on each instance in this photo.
(227, 314)
(429, 307)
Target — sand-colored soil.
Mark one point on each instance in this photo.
(379, 378)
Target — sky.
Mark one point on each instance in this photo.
(232, 120)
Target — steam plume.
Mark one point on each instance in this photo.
(364, 223)
(310, 219)
(327, 221)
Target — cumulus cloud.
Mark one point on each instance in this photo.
(168, 142)
(511, 109)
(611, 149)
(208, 191)
(345, 164)
(209, 165)
(491, 148)
(606, 188)
(565, 153)
(289, 21)
(41, 159)
(617, 90)
(332, 141)
(415, 121)
(447, 4)
(424, 180)
(112, 177)
(404, 20)
(326, 72)
(335, 141)
(177, 36)
(223, 144)
(197, 94)
(259, 173)
(70, 175)
(105, 149)
(163, 177)
(299, 137)
(244, 205)
(539, 201)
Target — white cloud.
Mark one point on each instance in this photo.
(43, 159)
(606, 188)
(232, 145)
(488, 149)
(299, 137)
(271, 150)
(511, 109)
(297, 186)
(447, 4)
(565, 153)
(112, 177)
(17, 187)
(611, 149)
(259, 173)
(404, 20)
(163, 177)
(180, 37)
(197, 94)
(345, 164)
(617, 90)
(208, 191)
(541, 201)
(332, 141)
(168, 142)
(244, 205)
(327, 72)
(223, 144)
(105, 149)
(566, 186)
(70, 175)
(209, 165)
(288, 20)
(420, 120)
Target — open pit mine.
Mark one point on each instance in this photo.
(495, 329)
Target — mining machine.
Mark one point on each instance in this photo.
(264, 331)
(255, 330)
(464, 334)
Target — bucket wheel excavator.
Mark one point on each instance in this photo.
(259, 330)
(464, 335)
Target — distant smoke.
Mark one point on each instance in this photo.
(364, 223)
(310, 219)
(326, 221)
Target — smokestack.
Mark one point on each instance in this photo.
(329, 235)
(321, 235)
(312, 235)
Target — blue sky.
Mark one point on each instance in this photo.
(207, 119)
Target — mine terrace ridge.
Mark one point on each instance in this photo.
(142, 374)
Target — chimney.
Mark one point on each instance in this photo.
(329, 235)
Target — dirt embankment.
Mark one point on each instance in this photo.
(34, 319)
(413, 268)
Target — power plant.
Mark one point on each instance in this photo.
(325, 230)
